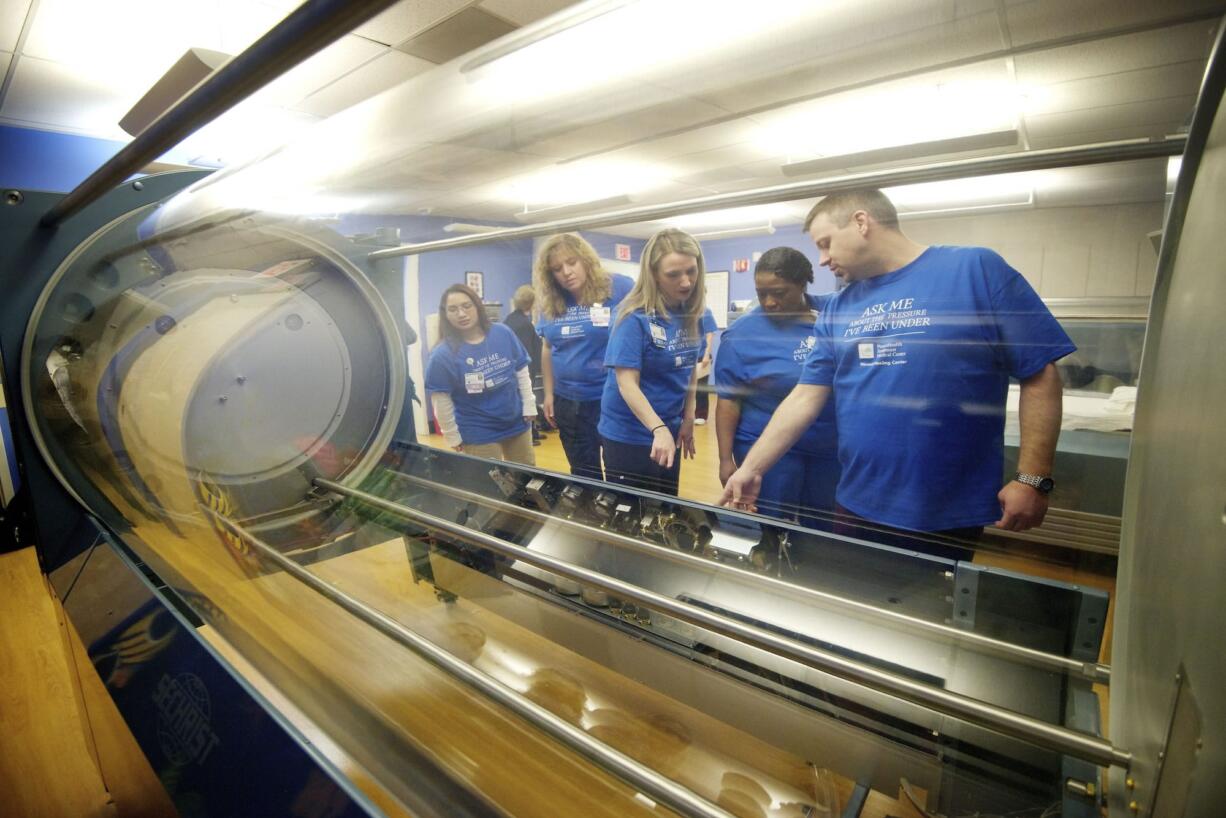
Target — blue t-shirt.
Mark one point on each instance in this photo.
(759, 362)
(920, 360)
(664, 354)
(577, 340)
(481, 379)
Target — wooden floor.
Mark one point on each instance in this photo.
(699, 477)
(64, 748)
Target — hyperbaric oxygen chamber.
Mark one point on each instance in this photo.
(223, 363)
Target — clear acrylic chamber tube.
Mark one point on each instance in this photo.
(220, 379)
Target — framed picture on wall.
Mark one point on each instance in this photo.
(476, 282)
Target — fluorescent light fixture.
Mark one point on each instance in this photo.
(1000, 191)
(580, 183)
(898, 114)
(915, 150)
(767, 229)
(545, 214)
(464, 227)
(562, 59)
(731, 217)
(1173, 164)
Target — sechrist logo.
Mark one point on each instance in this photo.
(184, 711)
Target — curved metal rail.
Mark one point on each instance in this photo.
(1093, 672)
(648, 781)
(936, 172)
(1007, 722)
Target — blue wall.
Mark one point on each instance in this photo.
(55, 162)
(720, 254)
(603, 244)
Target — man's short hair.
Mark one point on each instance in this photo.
(839, 207)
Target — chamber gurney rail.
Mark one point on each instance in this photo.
(1007, 722)
(1129, 150)
(648, 781)
(1094, 672)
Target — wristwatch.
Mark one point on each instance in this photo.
(1042, 484)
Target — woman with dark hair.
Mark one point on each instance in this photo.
(478, 382)
(576, 298)
(759, 361)
(647, 408)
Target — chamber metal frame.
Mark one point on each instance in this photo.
(1007, 722)
(1125, 151)
(1098, 673)
(651, 783)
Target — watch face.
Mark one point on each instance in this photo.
(1046, 485)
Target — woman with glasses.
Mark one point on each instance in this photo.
(647, 409)
(577, 298)
(478, 382)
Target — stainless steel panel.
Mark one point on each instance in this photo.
(1172, 564)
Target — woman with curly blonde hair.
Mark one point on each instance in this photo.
(647, 408)
(575, 298)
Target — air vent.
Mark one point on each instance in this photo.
(458, 34)
(183, 76)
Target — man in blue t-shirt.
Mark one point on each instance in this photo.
(919, 347)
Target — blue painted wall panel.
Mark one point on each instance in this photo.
(54, 162)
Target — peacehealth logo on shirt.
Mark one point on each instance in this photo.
(492, 369)
(898, 317)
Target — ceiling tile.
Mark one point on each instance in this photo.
(242, 22)
(47, 93)
(1164, 82)
(725, 158)
(523, 12)
(1126, 121)
(1032, 21)
(1104, 58)
(703, 138)
(456, 35)
(321, 70)
(99, 37)
(409, 17)
(385, 71)
(12, 17)
(624, 128)
(851, 54)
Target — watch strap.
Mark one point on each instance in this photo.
(1036, 481)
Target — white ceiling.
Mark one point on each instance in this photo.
(716, 105)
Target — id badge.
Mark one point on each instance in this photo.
(474, 383)
(599, 315)
(659, 336)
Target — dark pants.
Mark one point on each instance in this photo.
(576, 422)
(702, 397)
(798, 487)
(936, 543)
(631, 465)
